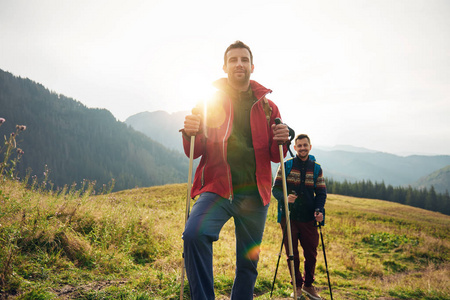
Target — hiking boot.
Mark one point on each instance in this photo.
(311, 292)
(299, 294)
(301, 297)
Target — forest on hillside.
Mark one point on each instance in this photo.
(422, 198)
(75, 143)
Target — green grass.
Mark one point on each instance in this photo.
(127, 245)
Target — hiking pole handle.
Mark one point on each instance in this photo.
(277, 122)
(291, 131)
(291, 135)
(316, 211)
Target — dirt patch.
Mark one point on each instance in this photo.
(71, 292)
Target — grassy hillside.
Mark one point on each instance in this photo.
(127, 245)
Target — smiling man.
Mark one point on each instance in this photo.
(307, 196)
(236, 138)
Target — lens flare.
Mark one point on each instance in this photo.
(253, 252)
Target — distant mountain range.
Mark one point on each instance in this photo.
(378, 166)
(160, 126)
(347, 148)
(342, 162)
(77, 143)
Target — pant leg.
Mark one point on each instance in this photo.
(295, 238)
(208, 215)
(309, 239)
(249, 218)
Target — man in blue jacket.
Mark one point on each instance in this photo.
(307, 194)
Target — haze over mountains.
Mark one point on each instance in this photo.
(342, 162)
(78, 143)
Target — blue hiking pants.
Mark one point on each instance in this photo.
(209, 213)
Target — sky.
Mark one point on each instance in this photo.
(372, 74)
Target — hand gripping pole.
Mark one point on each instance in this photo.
(286, 209)
(188, 206)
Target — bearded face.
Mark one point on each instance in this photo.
(239, 68)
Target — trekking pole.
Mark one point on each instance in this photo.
(319, 224)
(291, 137)
(286, 208)
(278, 262)
(188, 206)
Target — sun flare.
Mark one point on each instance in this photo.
(195, 89)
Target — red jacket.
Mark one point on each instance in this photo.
(213, 172)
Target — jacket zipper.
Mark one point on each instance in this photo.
(262, 97)
(203, 173)
(230, 184)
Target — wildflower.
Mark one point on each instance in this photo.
(2, 120)
(21, 127)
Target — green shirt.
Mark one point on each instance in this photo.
(240, 152)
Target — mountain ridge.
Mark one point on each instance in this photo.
(439, 179)
(77, 143)
(340, 162)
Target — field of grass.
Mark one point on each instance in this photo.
(127, 245)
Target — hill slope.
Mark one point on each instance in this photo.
(128, 245)
(78, 143)
(160, 126)
(440, 179)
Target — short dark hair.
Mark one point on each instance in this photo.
(302, 136)
(235, 45)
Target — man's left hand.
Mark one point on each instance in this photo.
(318, 216)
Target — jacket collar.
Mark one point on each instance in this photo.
(258, 90)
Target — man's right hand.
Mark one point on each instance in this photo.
(192, 124)
(291, 198)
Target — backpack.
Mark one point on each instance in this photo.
(290, 162)
(288, 167)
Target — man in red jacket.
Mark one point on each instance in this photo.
(236, 139)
